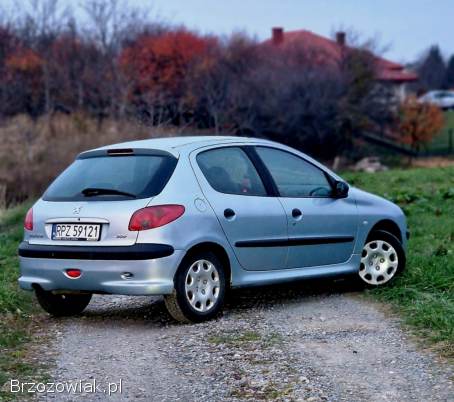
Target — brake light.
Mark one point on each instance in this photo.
(28, 222)
(154, 217)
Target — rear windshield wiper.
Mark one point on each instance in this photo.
(93, 191)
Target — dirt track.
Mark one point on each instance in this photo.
(304, 342)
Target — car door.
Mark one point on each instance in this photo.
(321, 229)
(253, 221)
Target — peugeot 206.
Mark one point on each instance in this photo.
(191, 217)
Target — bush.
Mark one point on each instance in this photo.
(419, 122)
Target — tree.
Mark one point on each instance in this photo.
(419, 122)
(78, 77)
(432, 69)
(25, 82)
(157, 64)
(224, 85)
(449, 77)
(8, 42)
(207, 90)
(38, 27)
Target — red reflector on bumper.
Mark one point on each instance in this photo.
(73, 273)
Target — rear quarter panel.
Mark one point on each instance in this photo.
(198, 224)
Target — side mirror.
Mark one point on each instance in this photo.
(340, 189)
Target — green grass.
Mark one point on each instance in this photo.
(16, 306)
(424, 294)
(440, 142)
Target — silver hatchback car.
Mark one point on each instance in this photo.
(191, 217)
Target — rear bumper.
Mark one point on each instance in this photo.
(152, 276)
(134, 252)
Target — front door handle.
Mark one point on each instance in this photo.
(296, 213)
(229, 213)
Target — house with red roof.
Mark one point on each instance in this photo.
(331, 51)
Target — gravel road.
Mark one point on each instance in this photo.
(305, 342)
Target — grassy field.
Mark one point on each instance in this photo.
(424, 295)
(17, 307)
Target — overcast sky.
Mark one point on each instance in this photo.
(407, 26)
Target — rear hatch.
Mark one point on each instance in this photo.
(92, 201)
(101, 223)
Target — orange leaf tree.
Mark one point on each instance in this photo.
(418, 122)
(23, 78)
(160, 62)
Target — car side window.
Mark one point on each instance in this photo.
(294, 177)
(229, 170)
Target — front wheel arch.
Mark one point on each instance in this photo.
(386, 225)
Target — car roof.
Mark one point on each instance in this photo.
(175, 144)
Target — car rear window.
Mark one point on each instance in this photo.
(137, 176)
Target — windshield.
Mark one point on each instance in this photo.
(105, 178)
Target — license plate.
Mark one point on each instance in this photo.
(76, 231)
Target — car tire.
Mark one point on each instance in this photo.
(382, 259)
(62, 305)
(199, 288)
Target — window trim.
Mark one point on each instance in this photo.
(261, 174)
(262, 170)
(268, 173)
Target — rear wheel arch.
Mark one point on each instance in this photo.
(220, 253)
(201, 283)
(387, 225)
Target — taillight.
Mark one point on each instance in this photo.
(28, 222)
(154, 217)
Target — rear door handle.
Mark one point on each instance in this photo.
(296, 213)
(229, 213)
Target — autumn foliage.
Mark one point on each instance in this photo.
(161, 62)
(23, 61)
(418, 122)
(121, 68)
